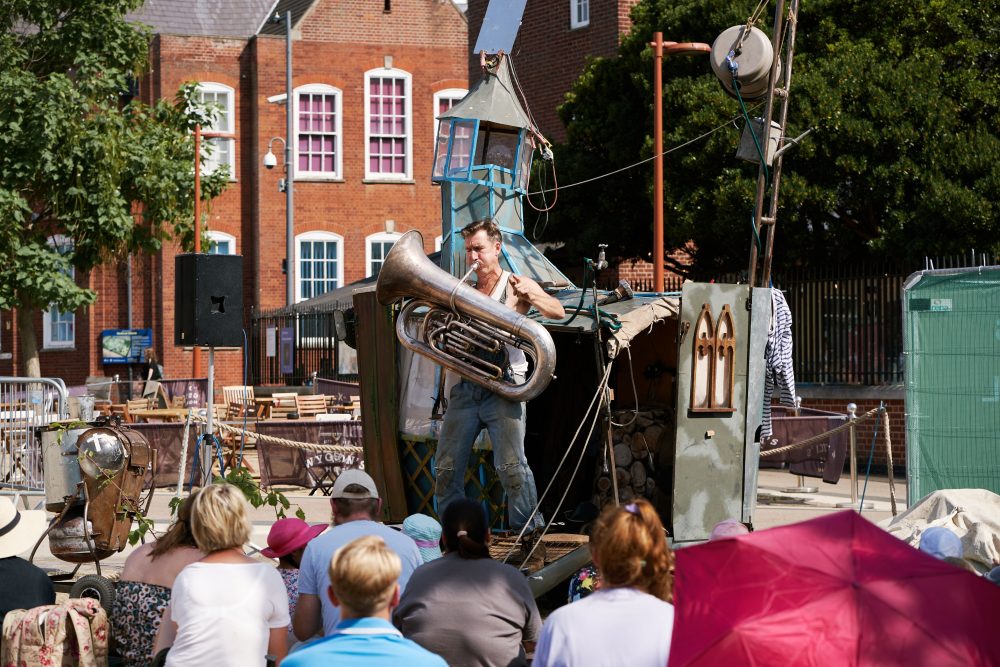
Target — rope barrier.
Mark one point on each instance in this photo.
(824, 436)
(339, 449)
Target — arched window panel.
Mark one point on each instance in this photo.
(725, 362)
(703, 356)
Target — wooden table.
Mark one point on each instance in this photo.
(158, 415)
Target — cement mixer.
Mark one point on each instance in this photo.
(93, 483)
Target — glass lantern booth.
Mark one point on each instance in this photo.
(482, 160)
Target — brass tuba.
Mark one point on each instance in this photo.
(460, 324)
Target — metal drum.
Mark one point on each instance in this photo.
(60, 465)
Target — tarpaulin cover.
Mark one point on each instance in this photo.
(972, 514)
(837, 590)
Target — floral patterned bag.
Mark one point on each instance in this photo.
(62, 635)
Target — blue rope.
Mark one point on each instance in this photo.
(871, 455)
(196, 459)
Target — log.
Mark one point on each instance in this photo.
(623, 455)
(638, 472)
(604, 484)
(624, 478)
(650, 487)
(639, 448)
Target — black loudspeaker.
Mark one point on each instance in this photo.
(208, 300)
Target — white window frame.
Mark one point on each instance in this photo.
(575, 21)
(317, 236)
(408, 111)
(58, 241)
(222, 237)
(338, 141)
(457, 93)
(228, 128)
(381, 237)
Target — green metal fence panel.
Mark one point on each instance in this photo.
(952, 351)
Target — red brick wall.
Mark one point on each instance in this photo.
(548, 56)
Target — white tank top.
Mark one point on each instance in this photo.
(501, 293)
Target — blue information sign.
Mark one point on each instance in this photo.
(125, 346)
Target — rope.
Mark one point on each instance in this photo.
(824, 436)
(888, 459)
(339, 449)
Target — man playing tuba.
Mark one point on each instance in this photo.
(471, 407)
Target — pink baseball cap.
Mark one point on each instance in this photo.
(289, 534)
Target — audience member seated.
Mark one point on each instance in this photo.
(287, 541)
(227, 610)
(356, 505)
(363, 585)
(425, 533)
(143, 590)
(728, 528)
(941, 543)
(467, 607)
(630, 611)
(23, 585)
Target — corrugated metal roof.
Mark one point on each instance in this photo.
(208, 18)
(298, 9)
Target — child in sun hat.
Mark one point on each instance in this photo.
(426, 532)
(287, 541)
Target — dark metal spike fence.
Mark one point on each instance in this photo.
(290, 348)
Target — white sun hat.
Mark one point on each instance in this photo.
(19, 530)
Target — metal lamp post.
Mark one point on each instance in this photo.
(289, 167)
(659, 49)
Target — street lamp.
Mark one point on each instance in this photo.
(270, 161)
(659, 49)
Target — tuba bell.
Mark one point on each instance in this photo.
(459, 325)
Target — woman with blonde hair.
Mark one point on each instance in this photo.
(629, 548)
(227, 609)
(143, 590)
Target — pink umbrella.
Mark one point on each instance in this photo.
(836, 590)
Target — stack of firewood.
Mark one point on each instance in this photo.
(636, 443)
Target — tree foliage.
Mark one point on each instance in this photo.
(902, 96)
(79, 162)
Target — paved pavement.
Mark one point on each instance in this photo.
(776, 506)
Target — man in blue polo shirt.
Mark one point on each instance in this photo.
(355, 504)
(363, 585)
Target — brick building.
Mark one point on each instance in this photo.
(369, 77)
(553, 43)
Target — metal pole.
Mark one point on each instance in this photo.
(289, 169)
(657, 45)
(206, 460)
(196, 354)
(852, 410)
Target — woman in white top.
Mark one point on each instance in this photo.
(629, 620)
(227, 609)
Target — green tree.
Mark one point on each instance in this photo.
(902, 97)
(85, 178)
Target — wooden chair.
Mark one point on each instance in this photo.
(136, 404)
(239, 401)
(283, 405)
(310, 405)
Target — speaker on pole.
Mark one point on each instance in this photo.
(208, 300)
